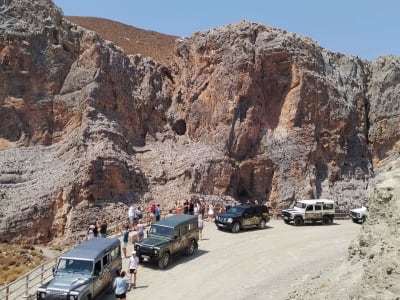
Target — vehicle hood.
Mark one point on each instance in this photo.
(67, 283)
(360, 210)
(154, 242)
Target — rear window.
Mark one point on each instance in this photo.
(328, 206)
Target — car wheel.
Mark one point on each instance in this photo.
(190, 250)
(326, 220)
(298, 221)
(236, 228)
(262, 224)
(164, 261)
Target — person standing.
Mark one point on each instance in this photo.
(210, 212)
(201, 226)
(131, 216)
(133, 265)
(140, 230)
(186, 207)
(157, 212)
(103, 227)
(120, 286)
(191, 207)
(125, 240)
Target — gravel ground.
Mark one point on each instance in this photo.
(256, 264)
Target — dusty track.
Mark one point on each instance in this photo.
(255, 264)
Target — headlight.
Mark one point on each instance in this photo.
(42, 295)
(229, 220)
(155, 251)
(137, 247)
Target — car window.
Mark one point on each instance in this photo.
(75, 266)
(247, 213)
(97, 267)
(309, 208)
(236, 210)
(328, 206)
(318, 207)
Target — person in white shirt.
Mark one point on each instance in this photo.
(133, 265)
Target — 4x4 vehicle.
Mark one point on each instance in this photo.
(243, 216)
(84, 272)
(358, 215)
(310, 211)
(172, 235)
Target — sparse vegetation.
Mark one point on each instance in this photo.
(16, 260)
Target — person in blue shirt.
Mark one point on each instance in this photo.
(157, 212)
(120, 286)
(125, 240)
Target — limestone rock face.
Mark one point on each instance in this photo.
(243, 112)
(292, 115)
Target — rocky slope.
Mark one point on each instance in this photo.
(242, 112)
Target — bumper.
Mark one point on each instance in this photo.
(223, 225)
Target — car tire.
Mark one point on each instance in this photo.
(262, 224)
(298, 221)
(236, 227)
(190, 249)
(164, 261)
(326, 220)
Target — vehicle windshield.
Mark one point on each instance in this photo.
(75, 266)
(161, 230)
(235, 210)
(300, 205)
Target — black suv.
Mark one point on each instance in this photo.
(243, 216)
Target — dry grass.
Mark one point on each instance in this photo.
(16, 260)
(133, 40)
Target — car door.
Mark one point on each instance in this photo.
(178, 243)
(247, 217)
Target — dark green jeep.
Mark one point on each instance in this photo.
(168, 237)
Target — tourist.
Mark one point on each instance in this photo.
(133, 265)
(131, 216)
(157, 212)
(201, 225)
(120, 286)
(140, 230)
(210, 212)
(103, 227)
(125, 240)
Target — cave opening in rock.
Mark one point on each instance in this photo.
(179, 126)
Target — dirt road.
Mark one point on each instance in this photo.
(254, 264)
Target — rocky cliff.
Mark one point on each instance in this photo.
(241, 112)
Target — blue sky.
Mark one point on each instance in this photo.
(366, 28)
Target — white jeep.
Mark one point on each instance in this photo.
(358, 215)
(310, 211)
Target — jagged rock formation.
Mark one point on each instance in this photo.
(242, 112)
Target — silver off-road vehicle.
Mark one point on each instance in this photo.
(358, 215)
(310, 211)
(85, 272)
